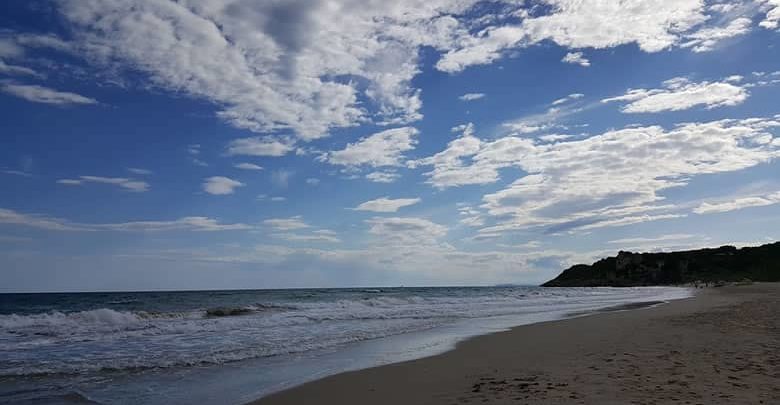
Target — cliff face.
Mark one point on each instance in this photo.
(627, 269)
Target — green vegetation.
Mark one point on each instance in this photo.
(723, 264)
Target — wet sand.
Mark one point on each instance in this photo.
(722, 346)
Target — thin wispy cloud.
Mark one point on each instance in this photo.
(39, 94)
(123, 182)
(385, 204)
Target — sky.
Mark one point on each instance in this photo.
(215, 144)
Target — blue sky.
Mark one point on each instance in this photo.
(152, 144)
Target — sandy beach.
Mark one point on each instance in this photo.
(722, 346)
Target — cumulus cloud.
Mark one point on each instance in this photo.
(128, 184)
(247, 166)
(45, 95)
(306, 67)
(681, 94)
(220, 185)
(385, 204)
(576, 58)
(611, 179)
(653, 25)
(458, 164)
(384, 148)
(274, 65)
(738, 204)
(772, 17)
(57, 224)
(471, 96)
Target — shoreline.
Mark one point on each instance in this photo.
(615, 355)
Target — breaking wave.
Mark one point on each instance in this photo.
(60, 342)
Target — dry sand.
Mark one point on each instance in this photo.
(723, 346)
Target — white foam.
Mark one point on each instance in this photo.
(103, 338)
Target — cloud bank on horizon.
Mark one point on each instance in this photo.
(223, 144)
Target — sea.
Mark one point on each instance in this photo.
(230, 347)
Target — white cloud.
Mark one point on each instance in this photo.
(220, 185)
(142, 172)
(470, 216)
(194, 151)
(273, 65)
(383, 177)
(681, 94)
(56, 224)
(406, 230)
(670, 242)
(457, 165)
(286, 224)
(259, 146)
(128, 184)
(315, 236)
(471, 96)
(654, 25)
(264, 197)
(611, 179)
(384, 148)
(385, 204)
(16, 70)
(187, 223)
(662, 238)
(734, 79)
(37, 221)
(570, 97)
(18, 173)
(738, 204)
(555, 137)
(549, 120)
(772, 18)
(40, 94)
(307, 67)
(247, 166)
(576, 58)
(312, 181)
(705, 39)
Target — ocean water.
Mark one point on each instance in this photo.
(233, 346)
